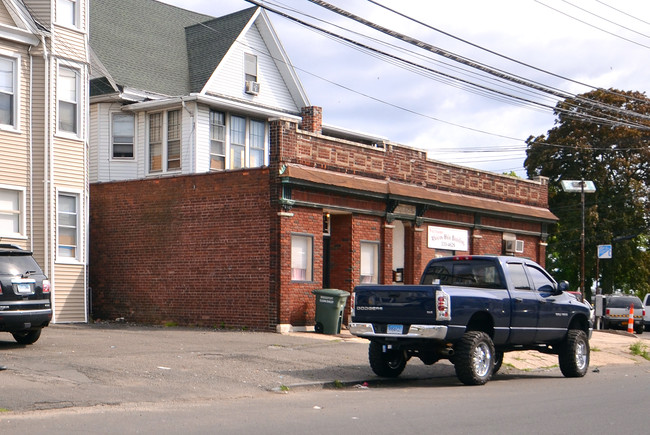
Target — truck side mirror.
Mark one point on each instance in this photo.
(562, 286)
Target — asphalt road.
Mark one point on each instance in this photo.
(112, 378)
(610, 401)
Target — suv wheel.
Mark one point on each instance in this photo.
(29, 336)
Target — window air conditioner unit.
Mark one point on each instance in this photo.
(252, 88)
(514, 246)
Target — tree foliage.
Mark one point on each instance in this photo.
(610, 148)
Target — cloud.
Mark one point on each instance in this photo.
(363, 93)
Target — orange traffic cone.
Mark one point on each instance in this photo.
(630, 322)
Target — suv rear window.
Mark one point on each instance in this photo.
(474, 273)
(17, 264)
(624, 302)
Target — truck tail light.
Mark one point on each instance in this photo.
(352, 304)
(443, 305)
(607, 311)
(46, 286)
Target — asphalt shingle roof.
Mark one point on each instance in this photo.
(144, 43)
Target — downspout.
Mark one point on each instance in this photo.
(30, 132)
(47, 166)
(193, 153)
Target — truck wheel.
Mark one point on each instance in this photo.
(389, 364)
(638, 329)
(28, 336)
(474, 358)
(498, 360)
(574, 354)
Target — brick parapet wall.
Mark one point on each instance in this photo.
(401, 163)
(194, 250)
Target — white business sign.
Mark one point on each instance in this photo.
(450, 239)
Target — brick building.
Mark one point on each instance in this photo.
(246, 248)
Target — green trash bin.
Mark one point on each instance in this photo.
(330, 304)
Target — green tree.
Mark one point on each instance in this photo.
(592, 141)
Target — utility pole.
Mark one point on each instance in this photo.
(583, 187)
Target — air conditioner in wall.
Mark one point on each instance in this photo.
(514, 246)
(252, 88)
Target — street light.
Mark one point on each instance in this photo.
(582, 186)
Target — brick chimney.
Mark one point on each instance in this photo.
(312, 119)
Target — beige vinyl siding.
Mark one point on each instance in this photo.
(5, 18)
(69, 165)
(40, 9)
(69, 44)
(69, 293)
(229, 76)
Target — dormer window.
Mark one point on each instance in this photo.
(252, 86)
(250, 67)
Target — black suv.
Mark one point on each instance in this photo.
(25, 306)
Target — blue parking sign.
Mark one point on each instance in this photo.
(604, 251)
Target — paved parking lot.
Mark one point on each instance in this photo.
(89, 365)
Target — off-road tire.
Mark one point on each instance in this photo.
(574, 354)
(29, 336)
(474, 358)
(498, 361)
(389, 364)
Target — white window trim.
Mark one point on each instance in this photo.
(135, 135)
(80, 258)
(164, 141)
(247, 145)
(17, 60)
(77, 16)
(22, 235)
(80, 128)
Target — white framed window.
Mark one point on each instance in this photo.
(8, 90)
(12, 216)
(250, 67)
(256, 140)
(68, 100)
(302, 258)
(217, 141)
(369, 263)
(67, 13)
(237, 142)
(122, 134)
(68, 228)
(165, 141)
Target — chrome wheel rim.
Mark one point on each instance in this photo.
(581, 355)
(482, 357)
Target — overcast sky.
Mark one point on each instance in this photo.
(597, 43)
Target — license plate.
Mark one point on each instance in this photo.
(24, 288)
(394, 329)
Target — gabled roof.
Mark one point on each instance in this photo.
(208, 43)
(26, 29)
(141, 43)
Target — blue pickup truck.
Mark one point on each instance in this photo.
(471, 310)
